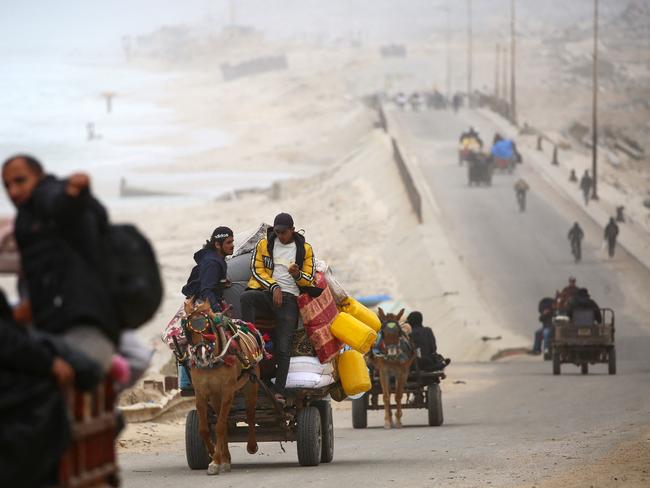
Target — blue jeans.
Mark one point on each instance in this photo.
(259, 303)
(184, 381)
(542, 335)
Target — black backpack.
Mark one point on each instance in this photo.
(135, 283)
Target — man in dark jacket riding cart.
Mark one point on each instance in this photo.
(208, 278)
(425, 345)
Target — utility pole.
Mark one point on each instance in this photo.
(233, 13)
(594, 151)
(504, 85)
(448, 36)
(513, 91)
(497, 73)
(469, 52)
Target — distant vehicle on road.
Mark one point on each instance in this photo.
(416, 101)
(582, 341)
(400, 100)
(479, 169)
(504, 154)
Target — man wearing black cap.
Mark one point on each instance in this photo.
(282, 267)
(209, 277)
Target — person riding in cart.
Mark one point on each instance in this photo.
(208, 279)
(581, 302)
(425, 344)
(283, 267)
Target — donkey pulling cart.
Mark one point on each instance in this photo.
(422, 391)
(306, 419)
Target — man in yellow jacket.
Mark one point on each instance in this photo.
(283, 267)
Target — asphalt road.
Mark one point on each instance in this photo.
(506, 424)
(518, 258)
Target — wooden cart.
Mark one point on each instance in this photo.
(422, 391)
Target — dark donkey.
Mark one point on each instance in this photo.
(392, 355)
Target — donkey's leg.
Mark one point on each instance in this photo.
(400, 383)
(222, 427)
(250, 393)
(215, 403)
(204, 425)
(384, 379)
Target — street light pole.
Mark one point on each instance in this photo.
(497, 72)
(233, 13)
(513, 91)
(469, 52)
(448, 49)
(594, 142)
(504, 84)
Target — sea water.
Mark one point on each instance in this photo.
(47, 102)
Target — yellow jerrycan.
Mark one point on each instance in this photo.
(353, 332)
(360, 312)
(353, 373)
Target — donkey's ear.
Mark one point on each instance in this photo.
(399, 315)
(381, 314)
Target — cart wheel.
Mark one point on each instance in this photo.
(309, 436)
(556, 362)
(327, 430)
(434, 404)
(360, 412)
(584, 368)
(195, 452)
(612, 361)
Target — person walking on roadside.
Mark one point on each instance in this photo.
(60, 232)
(586, 183)
(575, 236)
(521, 188)
(282, 267)
(611, 233)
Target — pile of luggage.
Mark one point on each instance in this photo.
(333, 334)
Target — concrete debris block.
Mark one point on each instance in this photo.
(632, 151)
(613, 159)
(154, 385)
(578, 131)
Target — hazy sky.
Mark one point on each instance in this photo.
(64, 25)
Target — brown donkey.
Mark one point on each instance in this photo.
(224, 355)
(392, 356)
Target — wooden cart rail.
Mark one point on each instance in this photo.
(90, 461)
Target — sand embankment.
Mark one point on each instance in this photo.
(350, 200)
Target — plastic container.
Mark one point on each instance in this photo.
(353, 332)
(362, 313)
(353, 373)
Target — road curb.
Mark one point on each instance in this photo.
(467, 312)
